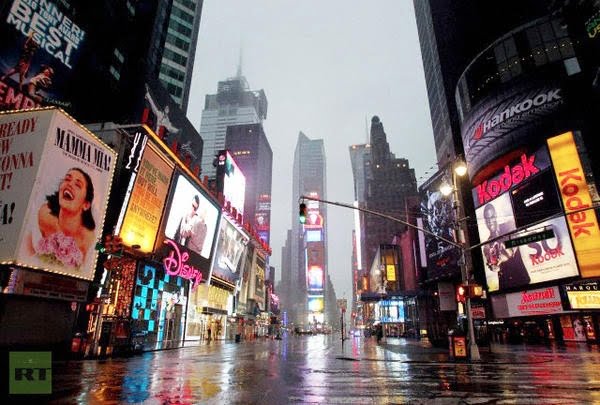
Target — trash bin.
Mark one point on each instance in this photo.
(457, 345)
(76, 343)
(238, 337)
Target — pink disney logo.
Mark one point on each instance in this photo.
(174, 265)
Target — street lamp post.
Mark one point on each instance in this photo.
(460, 169)
(383, 293)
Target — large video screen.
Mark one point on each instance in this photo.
(262, 220)
(315, 277)
(536, 199)
(535, 262)
(234, 181)
(316, 303)
(187, 241)
(192, 218)
(230, 248)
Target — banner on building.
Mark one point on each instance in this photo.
(40, 44)
(53, 190)
(149, 188)
(574, 190)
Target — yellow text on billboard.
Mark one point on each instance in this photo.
(148, 196)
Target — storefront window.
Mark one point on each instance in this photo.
(159, 306)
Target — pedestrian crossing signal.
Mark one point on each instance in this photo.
(461, 293)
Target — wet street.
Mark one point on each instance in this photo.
(318, 370)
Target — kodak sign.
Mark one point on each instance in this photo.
(577, 200)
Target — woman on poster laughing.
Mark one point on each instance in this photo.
(65, 221)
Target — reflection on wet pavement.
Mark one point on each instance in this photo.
(317, 369)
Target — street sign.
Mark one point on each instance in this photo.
(342, 304)
(533, 237)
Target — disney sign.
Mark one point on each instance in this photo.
(175, 265)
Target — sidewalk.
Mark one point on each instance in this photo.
(408, 350)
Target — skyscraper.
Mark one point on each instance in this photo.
(113, 48)
(451, 33)
(234, 104)
(308, 247)
(178, 45)
(251, 150)
(382, 182)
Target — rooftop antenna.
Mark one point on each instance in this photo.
(240, 61)
(367, 128)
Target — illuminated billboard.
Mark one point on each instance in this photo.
(54, 188)
(259, 280)
(534, 262)
(231, 181)
(506, 175)
(575, 194)
(146, 200)
(543, 301)
(535, 200)
(190, 220)
(510, 119)
(163, 116)
(583, 296)
(315, 264)
(40, 43)
(315, 254)
(230, 248)
(315, 303)
(313, 235)
(438, 218)
(315, 277)
(262, 220)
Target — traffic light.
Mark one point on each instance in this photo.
(461, 293)
(302, 214)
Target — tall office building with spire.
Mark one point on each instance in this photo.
(233, 104)
(382, 183)
(308, 242)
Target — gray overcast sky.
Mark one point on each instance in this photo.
(326, 67)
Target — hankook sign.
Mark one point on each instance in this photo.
(506, 121)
